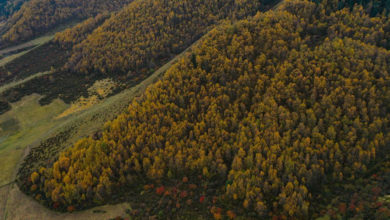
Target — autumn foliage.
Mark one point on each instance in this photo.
(270, 109)
(147, 33)
(36, 17)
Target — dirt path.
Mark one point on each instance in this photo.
(32, 43)
(23, 48)
(16, 83)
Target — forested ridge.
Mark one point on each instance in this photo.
(270, 111)
(147, 33)
(39, 16)
(72, 36)
(36, 17)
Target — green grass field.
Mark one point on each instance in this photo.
(24, 125)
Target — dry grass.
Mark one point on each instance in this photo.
(96, 94)
(32, 210)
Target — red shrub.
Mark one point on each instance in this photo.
(201, 199)
(160, 190)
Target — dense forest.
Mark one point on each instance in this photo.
(36, 17)
(271, 111)
(149, 32)
(78, 33)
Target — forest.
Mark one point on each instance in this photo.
(147, 33)
(270, 111)
(80, 32)
(28, 19)
(37, 17)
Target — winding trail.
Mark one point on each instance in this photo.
(13, 52)
(16, 83)
(31, 43)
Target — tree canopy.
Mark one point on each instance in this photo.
(36, 17)
(272, 109)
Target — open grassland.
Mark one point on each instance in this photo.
(26, 123)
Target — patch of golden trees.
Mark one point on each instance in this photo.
(72, 36)
(149, 32)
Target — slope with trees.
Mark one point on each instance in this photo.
(147, 33)
(72, 36)
(36, 17)
(271, 111)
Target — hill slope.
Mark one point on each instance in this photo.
(264, 115)
(147, 33)
(36, 17)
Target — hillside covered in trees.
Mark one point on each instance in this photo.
(147, 33)
(36, 17)
(269, 112)
(72, 36)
